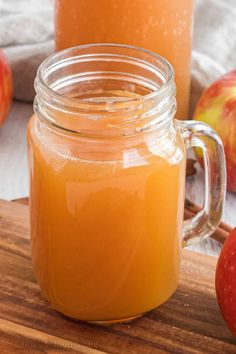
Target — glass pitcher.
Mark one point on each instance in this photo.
(163, 26)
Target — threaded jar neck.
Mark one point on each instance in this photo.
(105, 90)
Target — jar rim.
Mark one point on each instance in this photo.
(161, 95)
(54, 56)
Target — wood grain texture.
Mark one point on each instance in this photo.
(24, 201)
(189, 323)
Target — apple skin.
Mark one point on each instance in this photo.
(6, 87)
(217, 107)
(225, 281)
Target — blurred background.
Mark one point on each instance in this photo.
(26, 37)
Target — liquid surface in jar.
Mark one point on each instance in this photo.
(163, 26)
(106, 220)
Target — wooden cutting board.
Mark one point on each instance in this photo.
(189, 323)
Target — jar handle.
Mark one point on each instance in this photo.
(203, 224)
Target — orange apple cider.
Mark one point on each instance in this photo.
(163, 26)
(106, 235)
(107, 206)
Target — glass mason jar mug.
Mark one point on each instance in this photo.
(107, 177)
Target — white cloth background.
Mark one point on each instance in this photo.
(26, 32)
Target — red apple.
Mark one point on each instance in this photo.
(225, 281)
(217, 107)
(5, 87)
